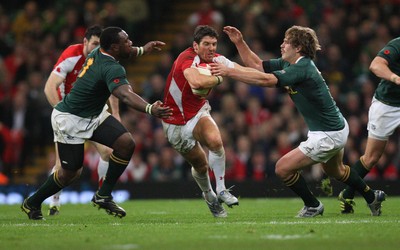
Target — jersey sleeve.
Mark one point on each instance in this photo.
(115, 77)
(272, 65)
(290, 75)
(225, 61)
(390, 52)
(67, 61)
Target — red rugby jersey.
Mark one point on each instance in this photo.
(68, 67)
(178, 94)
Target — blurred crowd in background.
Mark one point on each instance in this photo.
(258, 125)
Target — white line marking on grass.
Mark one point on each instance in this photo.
(116, 224)
(126, 246)
(157, 212)
(269, 236)
(49, 225)
(307, 221)
(27, 225)
(304, 221)
(285, 237)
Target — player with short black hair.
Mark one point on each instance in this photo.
(82, 116)
(59, 84)
(190, 127)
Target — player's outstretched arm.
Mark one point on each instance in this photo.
(249, 58)
(126, 95)
(380, 67)
(245, 74)
(147, 48)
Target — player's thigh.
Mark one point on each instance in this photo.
(108, 132)
(334, 167)
(292, 162)
(180, 136)
(196, 157)
(383, 120)
(207, 133)
(71, 155)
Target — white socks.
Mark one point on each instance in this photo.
(102, 168)
(55, 199)
(217, 164)
(203, 181)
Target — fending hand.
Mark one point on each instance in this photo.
(153, 45)
(234, 34)
(159, 110)
(218, 69)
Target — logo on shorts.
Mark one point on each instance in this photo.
(373, 127)
(309, 150)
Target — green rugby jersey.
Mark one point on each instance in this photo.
(100, 75)
(309, 92)
(387, 91)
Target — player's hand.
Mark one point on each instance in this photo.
(234, 34)
(153, 45)
(219, 69)
(159, 110)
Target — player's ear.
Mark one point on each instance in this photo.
(115, 47)
(195, 47)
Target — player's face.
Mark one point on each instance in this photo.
(289, 53)
(91, 44)
(125, 45)
(206, 48)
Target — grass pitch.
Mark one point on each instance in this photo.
(188, 224)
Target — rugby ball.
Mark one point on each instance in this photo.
(203, 69)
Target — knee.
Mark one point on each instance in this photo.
(220, 152)
(201, 169)
(215, 144)
(370, 161)
(124, 145)
(278, 172)
(201, 166)
(66, 177)
(281, 171)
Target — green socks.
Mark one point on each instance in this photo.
(50, 187)
(359, 168)
(298, 184)
(116, 167)
(352, 179)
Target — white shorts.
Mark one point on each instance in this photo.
(383, 120)
(72, 129)
(181, 136)
(321, 146)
